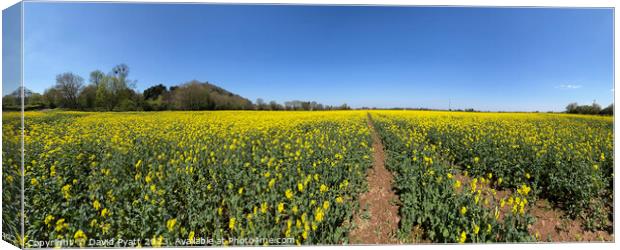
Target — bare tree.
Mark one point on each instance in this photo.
(69, 85)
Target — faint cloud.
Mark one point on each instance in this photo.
(568, 86)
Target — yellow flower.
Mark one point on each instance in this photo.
(339, 199)
(104, 212)
(457, 184)
(289, 194)
(300, 187)
(303, 217)
(48, 220)
(66, 189)
(34, 181)
(595, 167)
(325, 205)
(263, 207)
(240, 190)
(514, 208)
(522, 206)
(137, 176)
(295, 209)
(476, 229)
(527, 175)
(60, 225)
(191, 237)
(474, 185)
(138, 164)
(231, 223)
(324, 188)
(524, 190)
(79, 235)
(289, 223)
(53, 170)
(105, 228)
(272, 182)
(280, 207)
(476, 159)
(463, 237)
(22, 241)
(93, 223)
(96, 205)
(428, 160)
(157, 241)
(463, 210)
(318, 216)
(170, 224)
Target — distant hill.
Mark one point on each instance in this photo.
(196, 95)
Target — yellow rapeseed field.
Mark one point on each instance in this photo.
(170, 178)
(183, 175)
(566, 159)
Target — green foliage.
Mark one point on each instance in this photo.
(154, 92)
(433, 199)
(594, 109)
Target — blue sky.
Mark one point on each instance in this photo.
(11, 48)
(484, 58)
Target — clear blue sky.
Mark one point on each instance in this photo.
(484, 58)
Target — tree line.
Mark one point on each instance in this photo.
(594, 109)
(297, 105)
(114, 91)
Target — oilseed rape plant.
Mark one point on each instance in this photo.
(173, 178)
(451, 166)
(183, 175)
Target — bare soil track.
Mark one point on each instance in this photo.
(377, 219)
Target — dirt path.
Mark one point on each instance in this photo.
(377, 220)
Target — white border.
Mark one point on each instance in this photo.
(549, 3)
